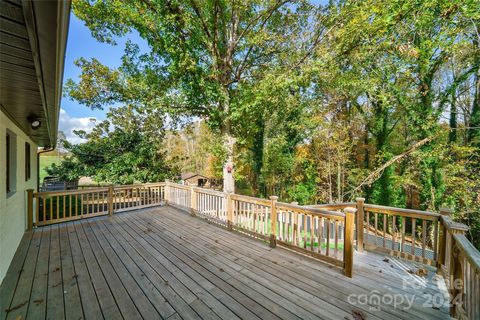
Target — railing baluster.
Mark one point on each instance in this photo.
(44, 203)
(424, 236)
(367, 239)
(58, 207)
(394, 227)
(336, 238)
(312, 233)
(296, 230)
(360, 223)
(435, 239)
(414, 221)
(321, 224)
(304, 228)
(384, 230)
(51, 208)
(327, 248)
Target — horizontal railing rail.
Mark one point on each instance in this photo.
(410, 234)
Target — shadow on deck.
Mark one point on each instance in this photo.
(162, 263)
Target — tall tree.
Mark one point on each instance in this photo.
(125, 148)
(200, 54)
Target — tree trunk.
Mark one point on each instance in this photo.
(229, 142)
(257, 150)
(339, 182)
(474, 130)
(452, 136)
(228, 169)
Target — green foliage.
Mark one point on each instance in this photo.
(125, 148)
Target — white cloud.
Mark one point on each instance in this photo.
(67, 124)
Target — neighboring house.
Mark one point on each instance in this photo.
(198, 180)
(33, 37)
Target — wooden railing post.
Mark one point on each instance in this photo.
(360, 223)
(229, 211)
(167, 192)
(193, 200)
(30, 209)
(348, 245)
(110, 201)
(455, 277)
(445, 212)
(273, 222)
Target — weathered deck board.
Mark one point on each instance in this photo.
(161, 263)
(326, 287)
(7, 289)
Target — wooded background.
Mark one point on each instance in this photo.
(313, 103)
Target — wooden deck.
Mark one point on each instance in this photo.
(162, 263)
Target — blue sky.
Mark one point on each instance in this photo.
(82, 44)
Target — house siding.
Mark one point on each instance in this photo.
(13, 215)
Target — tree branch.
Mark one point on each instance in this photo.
(375, 175)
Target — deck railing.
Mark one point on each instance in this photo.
(327, 231)
(59, 206)
(424, 236)
(324, 234)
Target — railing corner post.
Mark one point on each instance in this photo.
(360, 223)
(455, 280)
(110, 201)
(29, 209)
(167, 191)
(348, 245)
(444, 212)
(229, 211)
(193, 200)
(273, 221)
(456, 277)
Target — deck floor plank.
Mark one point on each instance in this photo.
(153, 294)
(161, 263)
(199, 286)
(218, 272)
(73, 304)
(207, 278)
(171, 275)
(368, 279)
(120, 294)
(37, 309)
(257, 276)
(155, 275)
(130, 287)
(88, 297)
(55, 305)
(397, 283)
(21, 298)
(105, 298)
(7, 288)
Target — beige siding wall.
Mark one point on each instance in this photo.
(13, 219)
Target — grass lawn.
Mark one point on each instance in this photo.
(302, 234)
(46, 161)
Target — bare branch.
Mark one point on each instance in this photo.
(377, 173)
